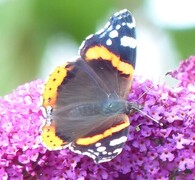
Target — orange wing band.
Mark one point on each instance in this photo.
(49, 138)
(50, 89)
(100, 52)
(93, 139)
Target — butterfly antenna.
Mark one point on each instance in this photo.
(153, 86)
(145, 92)
(138, 108)
(150, 117)
(142, 112)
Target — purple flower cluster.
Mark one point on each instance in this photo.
(20, 119)
(186, 72)
(151, 152)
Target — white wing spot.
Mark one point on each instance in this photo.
(131, 25)
(117, 151)
(118, 141)
(104, 152)
(108, 42)
(128, 41)
(113, 34)
(118, 26)
(98, 144)
(101, 148)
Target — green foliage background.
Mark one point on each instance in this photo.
(27, 25)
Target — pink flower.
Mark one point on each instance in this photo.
(151, 152)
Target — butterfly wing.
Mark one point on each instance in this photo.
(113, 47)
(103, 145)
(74, 108)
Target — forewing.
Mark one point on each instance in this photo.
(77, 105)
(111, 52)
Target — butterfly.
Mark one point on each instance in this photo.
(85, 100)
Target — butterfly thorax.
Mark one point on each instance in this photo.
(113, 106)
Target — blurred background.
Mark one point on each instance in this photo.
(35, 35)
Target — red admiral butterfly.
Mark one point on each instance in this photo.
(85, 100)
